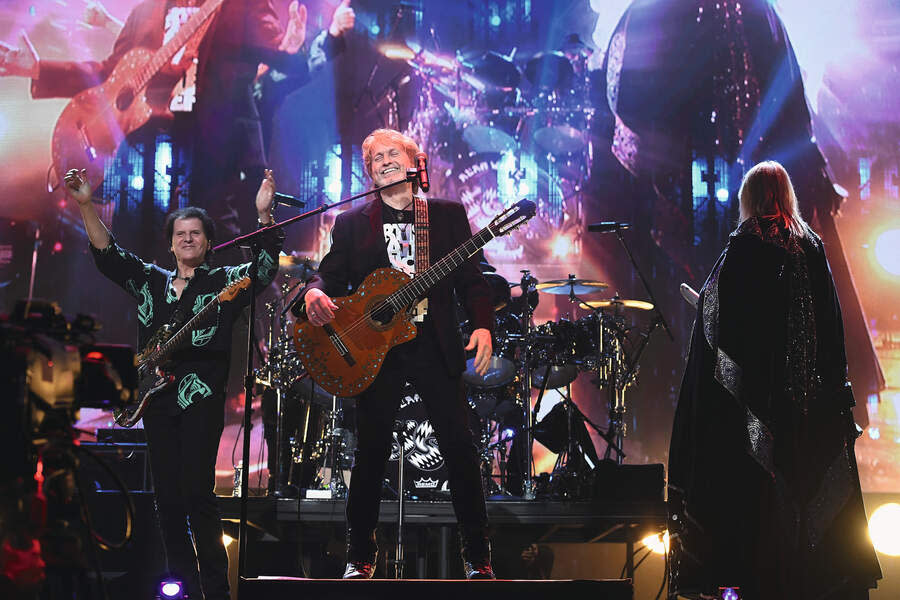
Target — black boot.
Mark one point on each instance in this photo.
(362, 551)
(476, 552)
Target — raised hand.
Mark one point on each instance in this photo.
(77, 186)
(295, 33)
(343, 19)
(96, 15)
(16, 62)
(265, 196)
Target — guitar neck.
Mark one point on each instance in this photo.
(162, 56)
(419, 286)
(162, 353)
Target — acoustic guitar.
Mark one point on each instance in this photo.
(94, 122)
(345, 355)
(154, 376)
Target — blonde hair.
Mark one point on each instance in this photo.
(385, 136)
(766, 191)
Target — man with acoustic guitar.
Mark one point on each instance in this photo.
(184, 421)
(389, 231)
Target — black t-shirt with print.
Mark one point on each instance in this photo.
(400, 238)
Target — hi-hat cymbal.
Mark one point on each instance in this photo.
(619, 303)
(564, 287)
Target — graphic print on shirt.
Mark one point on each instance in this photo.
(401, 246)
(145, 301)
(189, 387)
(201, 337)
(232, 274)
(265, 266)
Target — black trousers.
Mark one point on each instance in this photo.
(183, 450)
(420, 362)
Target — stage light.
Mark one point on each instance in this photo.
(334, 187)
(722, 194)
(658, 543)
(887, 251)
(495, 21)
(524, 188)
(57, 247)
(137, 182)
(397, 51)
(884, 529)
(562, 246)
(729, 593)
(171, 589)
(375, 29)
(227, 539)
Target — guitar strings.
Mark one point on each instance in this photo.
(352, 327)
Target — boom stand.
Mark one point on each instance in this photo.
(251, 239)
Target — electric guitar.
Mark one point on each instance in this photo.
(96, 120)
(344, 356)
(153, 376)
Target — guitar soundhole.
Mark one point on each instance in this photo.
(383, 315)
(125, 98)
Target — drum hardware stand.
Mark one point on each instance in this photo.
(527, 313)
(336, 483)
(399, 431)
(571, 408)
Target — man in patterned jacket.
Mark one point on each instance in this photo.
(184, 423)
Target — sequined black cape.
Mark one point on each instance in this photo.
(763, 488)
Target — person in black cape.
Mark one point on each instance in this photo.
(764, 492)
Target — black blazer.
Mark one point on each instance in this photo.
(358, 248)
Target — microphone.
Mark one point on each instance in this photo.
(288, 200)
(607, 226)
(422, 170)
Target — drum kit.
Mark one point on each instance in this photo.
(526, 357)
(551, 356)
(499, 128)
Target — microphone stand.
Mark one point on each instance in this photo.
(251, 239)
(659, 315)
(617, 386)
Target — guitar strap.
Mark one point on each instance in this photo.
(423, 260)
(420, 217)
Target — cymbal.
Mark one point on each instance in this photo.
(619, 303)
(563, 287)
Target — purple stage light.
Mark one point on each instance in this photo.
(171, 589)
(729, 593)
